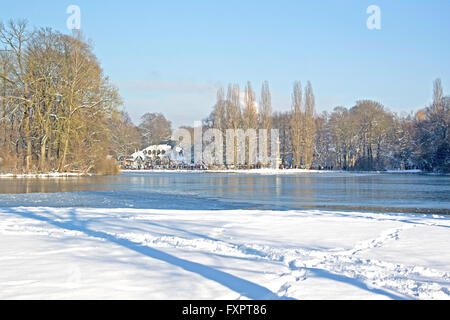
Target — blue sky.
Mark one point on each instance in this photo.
(170, 56)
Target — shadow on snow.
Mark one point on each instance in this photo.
(241, 286)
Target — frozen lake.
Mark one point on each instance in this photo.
(374, 192)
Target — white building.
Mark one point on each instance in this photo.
(156, 155)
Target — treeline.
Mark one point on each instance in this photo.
(364, 137)
(58, 111)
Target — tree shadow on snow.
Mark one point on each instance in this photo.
(321, 273)
(239, 285)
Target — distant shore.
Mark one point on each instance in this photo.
(264, 171)
(44, 175)
(229, 171)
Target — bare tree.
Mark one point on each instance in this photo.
(297, 120)
(15, 38)
(438, 95)
(265, 119)
(125, 136)
(250, 122)
(432, 133)
(155, 128)
(309, 127)
(282, 121)
(56, 102)
(233, 117)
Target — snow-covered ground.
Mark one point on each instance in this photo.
(241, 171)
(69, 253)
(41, 175)
(268, 171)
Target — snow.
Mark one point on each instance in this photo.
(264, 171)
(404, 171)
(269, 171)
(235, 171)
(43, 175)
(72, 253)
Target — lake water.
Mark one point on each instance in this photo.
(409, 193)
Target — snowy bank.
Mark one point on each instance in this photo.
(43, 175)
(232, 171)
(404, 171)
(270, 171)
(71, 253)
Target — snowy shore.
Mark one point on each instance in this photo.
(231, 171)
(268, 171)
(42, 175)
(71, 253)
(243, 171)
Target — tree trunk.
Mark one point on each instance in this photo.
(66, 147)
(42, 164)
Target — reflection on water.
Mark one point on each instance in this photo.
(51, 185)
(372, 192)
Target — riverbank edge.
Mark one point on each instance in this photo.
(231, 171)
(273, 171)
(44, 175)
